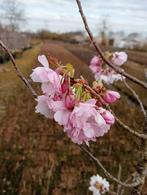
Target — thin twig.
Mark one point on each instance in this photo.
(99, 51)
(129, 129)
(107, 173)
(136, 97)
(139, 135)
(119, 177)
(122, 188)
(19, 73)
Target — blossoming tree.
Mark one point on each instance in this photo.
(84, 111)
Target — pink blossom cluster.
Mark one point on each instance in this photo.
(82, 119)
(102, 72)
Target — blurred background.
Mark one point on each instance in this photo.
(36, 157)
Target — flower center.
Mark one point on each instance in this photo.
(98, 186)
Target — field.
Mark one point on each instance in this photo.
(36, 157)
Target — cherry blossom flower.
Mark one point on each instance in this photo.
(86, 123)
(119, 58)
(95, 64)
(50, 79)
(98, 185)
(109, 77)
(104, 73)
(72, 106)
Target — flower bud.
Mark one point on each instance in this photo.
(69, 101)
(65, 85)
(111, 96)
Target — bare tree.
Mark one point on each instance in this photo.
(103, 32)
(13, 14)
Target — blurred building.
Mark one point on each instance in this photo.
(131, 41)
(13, 39)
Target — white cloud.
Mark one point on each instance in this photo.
(63, 15)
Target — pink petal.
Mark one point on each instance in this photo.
(88, 131)
(62, 117)
(42, 107)
(39, 75)
(43, 60)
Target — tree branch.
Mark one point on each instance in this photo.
(129, 129)
(107, 173)
(139, 135)
(19, 73)
(137, 98)
(99, 51)
(142, 165)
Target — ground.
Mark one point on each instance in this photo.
(36, 157)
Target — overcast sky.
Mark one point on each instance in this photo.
(62, 15)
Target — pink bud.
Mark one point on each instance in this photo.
(65, 85)
(57, 97)
(69, 101)
(108, 117)
(111, 96)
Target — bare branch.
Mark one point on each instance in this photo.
(129, 129)
(137, 98)
(139, 135)
(99, 51)
(119, 177)
(19, 73)
(122, 188)
(107, 173)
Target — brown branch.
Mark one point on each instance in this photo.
(99, 51)
(19, 73)
(139, 135)
(129, 129)
(142, 165)
(122, 188)
(107, 173)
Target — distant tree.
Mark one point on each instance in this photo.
(13, 13)
(103, 31)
